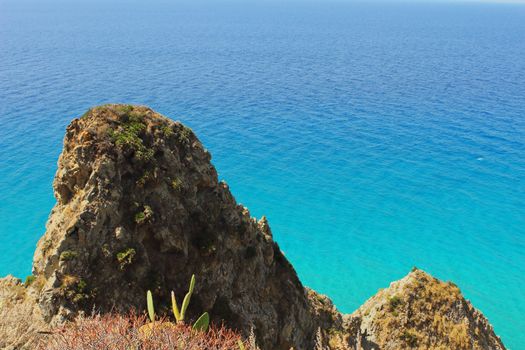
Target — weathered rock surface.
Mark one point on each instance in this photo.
(20, 319)
(139, 207)
(421, 312)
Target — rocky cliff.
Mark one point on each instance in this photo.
(139, 206)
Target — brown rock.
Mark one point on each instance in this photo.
(139, 207)
(421, 312)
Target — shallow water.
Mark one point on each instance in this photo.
(374, 137)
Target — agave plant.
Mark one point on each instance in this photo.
(202, 322)
(179, 315)
(151, 308)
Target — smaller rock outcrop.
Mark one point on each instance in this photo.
(421, 312)
(20, 319)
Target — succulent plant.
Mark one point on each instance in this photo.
(151, 308)
(180, 315)
(202, 323)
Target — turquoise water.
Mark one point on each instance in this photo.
(375, 137)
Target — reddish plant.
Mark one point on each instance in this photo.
(117, 332)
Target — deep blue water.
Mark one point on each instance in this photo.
(375, 137)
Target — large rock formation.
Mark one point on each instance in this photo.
(139, 207)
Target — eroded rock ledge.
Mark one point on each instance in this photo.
(139, 207)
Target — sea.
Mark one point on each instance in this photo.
(375, 136)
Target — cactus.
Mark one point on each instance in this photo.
(241, 345)
(202, 323)
(151, 309)
(179, 316)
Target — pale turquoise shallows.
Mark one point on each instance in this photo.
(374, 137)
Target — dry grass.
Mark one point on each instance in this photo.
(117, 332)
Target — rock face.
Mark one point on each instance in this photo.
(139, 207)
(421, 312)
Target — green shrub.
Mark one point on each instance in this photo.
(184, 134)
(394, 302)
(176, 184)
(143, 216)
(125, 257)
(128, 135)
(68, 255)
(140, 217)
(75, 289)
(80, 293)
(144, 178)
(167, 130)
(410, 338)
(29, 280)
(126, 109)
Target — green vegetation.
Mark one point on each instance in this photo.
(75, 289)
(125, 257)
(167, 130)
(394, 302)
(80, 293)
(410, 338)
(126, 109)
(179, 316)
(29, 280)
(176, 184)
(105, 250)
(151, 308)
(128, 134)
(140, 217)
(46, 245)
(144, 178)
(185, 134)
(68, 255)
(86, 113)
(202, 322)
(143, 216)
